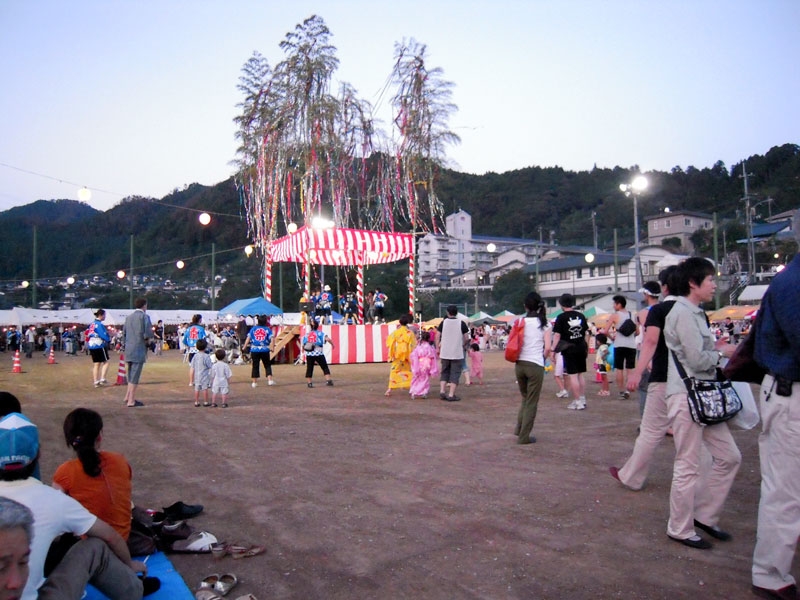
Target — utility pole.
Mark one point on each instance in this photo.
(594, 229)
(751, 251)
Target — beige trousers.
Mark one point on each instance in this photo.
(653, 428)
(779, 509)
(689, 498)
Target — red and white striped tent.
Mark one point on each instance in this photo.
(341, 247)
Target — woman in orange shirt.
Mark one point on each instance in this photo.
(99, 480)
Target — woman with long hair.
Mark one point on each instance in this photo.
(529, 368)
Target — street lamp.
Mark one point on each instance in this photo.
(478, 279)
(634, 188)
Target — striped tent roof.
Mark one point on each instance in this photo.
(342, 247)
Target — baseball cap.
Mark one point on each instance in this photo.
(19, 442)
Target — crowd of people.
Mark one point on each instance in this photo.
(654, 350)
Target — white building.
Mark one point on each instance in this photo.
(681, 225)
(457, 250)
(460, 260)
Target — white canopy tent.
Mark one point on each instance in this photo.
(23, 317)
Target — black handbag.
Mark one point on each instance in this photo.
(711, 401)
(627, 328)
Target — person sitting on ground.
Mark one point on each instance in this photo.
(106, 559)
(101, 481)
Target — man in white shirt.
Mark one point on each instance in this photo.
(453, 335)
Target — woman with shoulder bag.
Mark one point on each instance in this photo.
(692, 343)
(529, 368)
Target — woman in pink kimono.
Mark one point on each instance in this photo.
(424, 365)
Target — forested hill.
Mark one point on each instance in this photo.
(75, 238)
(517, 203)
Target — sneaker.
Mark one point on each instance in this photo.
(581, 406)
(562, 394)
(573, 405)
(254, 385)
(311, 385)
(104, 381)
(329, 383)
(271, 382)
(96, 384)
(625, 395)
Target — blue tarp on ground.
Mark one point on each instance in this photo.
(158, 565)
(250, 306)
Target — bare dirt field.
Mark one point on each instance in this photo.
(360, 496)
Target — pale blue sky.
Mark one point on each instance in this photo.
(138, 97)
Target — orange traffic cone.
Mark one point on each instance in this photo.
(122, 374)
(17, 364)
(51, 360)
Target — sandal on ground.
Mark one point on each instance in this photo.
(221, 549)
(207, 595)
(199, 542)
(209, 582)
(248, 551)
(226, 583)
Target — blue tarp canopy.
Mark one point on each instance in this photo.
(250, 306)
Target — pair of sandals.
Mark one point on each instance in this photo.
(216, 586)
(221, 549)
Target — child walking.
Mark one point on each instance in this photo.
(424, 365)
(600, 362)
(476, 363)
(220, 384)
(201, 367)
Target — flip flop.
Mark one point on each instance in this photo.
(207, 595)
(198, 542)
(248, 552)
(226, 583)
(209, 582)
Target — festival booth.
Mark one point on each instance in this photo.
(344, 247)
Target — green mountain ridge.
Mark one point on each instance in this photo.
(75, 239)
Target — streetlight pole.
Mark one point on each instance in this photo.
(634, 188)
(131, 276)
(213, 274)
(33, 281)
(477, 285)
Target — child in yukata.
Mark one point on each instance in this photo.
(424, 365)
(476, 363)
(201, 366)
(220, 383)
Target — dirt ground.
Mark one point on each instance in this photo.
(360, 496)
